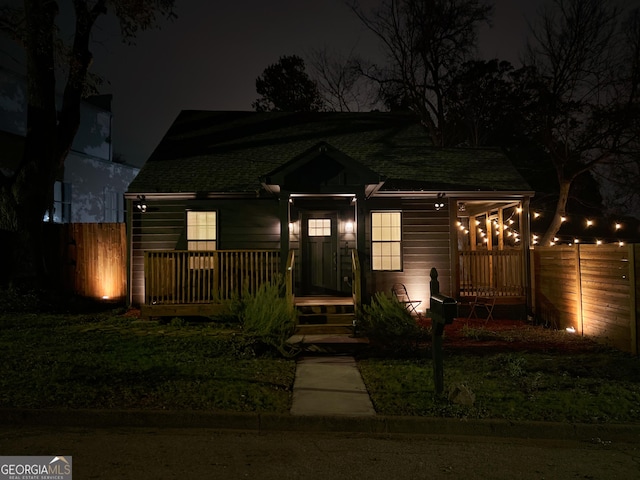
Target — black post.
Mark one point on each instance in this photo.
(437, 329)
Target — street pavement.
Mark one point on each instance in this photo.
(194, 453)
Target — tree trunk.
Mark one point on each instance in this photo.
(561, 210)
(24, 195)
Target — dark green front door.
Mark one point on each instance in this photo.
(319, 253)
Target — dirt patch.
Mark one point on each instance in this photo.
(503, 335)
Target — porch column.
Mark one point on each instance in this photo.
(283, 214)
(525, 225)
(361, 220)
(454, 260)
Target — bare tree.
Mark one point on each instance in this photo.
(585, 101)
(27, 192)
(424, 41)
(341, 82)
(622, 177)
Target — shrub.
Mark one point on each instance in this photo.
(267, 317)
(388, 322)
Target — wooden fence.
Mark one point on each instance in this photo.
(88, 259)
(592, 289)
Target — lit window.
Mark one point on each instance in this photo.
(386, 238)
(201, 230)
(319, 227)
(201, 236)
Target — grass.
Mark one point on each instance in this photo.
(600, 387)
(107, 361)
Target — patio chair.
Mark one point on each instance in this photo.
(485, 300)
(400, 292)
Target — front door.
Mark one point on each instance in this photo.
(319, 253)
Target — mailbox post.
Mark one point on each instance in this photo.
(443, 310)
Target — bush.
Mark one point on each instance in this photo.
(388, 322)
(267, 317)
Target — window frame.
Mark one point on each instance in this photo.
(213, 240)
(392, 242)
(322, 227)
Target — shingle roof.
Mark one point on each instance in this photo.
(228, 152)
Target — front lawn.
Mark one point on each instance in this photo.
(105, 360)
(597, 386)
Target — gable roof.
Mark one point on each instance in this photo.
(231, 152)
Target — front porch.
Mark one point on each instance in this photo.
(204, 283)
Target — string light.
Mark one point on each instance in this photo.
(509, 235)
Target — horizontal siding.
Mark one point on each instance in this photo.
(425, 245)
(242, 224)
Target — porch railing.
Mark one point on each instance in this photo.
(498, 271)
(186, 277)
(356, 281)
(289, 278)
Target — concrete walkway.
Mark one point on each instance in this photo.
(330, 385)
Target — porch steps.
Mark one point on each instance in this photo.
(325, 325)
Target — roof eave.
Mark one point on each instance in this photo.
(470, 194)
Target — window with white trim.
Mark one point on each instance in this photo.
(386, 240)
(201, 230)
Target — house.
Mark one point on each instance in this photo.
(84, 229)
(341, 204)
(91, 188)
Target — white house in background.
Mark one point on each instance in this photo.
(92, 187)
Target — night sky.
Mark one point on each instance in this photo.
(209, 57)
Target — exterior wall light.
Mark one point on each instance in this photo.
(439, 201)
(348, 227)
(141, 204)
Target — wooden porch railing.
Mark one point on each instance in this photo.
(499, 271)
(288, 277)
(188, 277)
(356, 285)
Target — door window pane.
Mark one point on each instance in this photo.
(319, 227)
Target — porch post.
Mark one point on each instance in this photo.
(129, 227)
(283, 213)
(525, 222)
(454, 261)
(361, 217)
